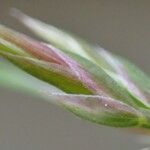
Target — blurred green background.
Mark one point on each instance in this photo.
(122, 27)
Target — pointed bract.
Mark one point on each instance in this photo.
(89, 81)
